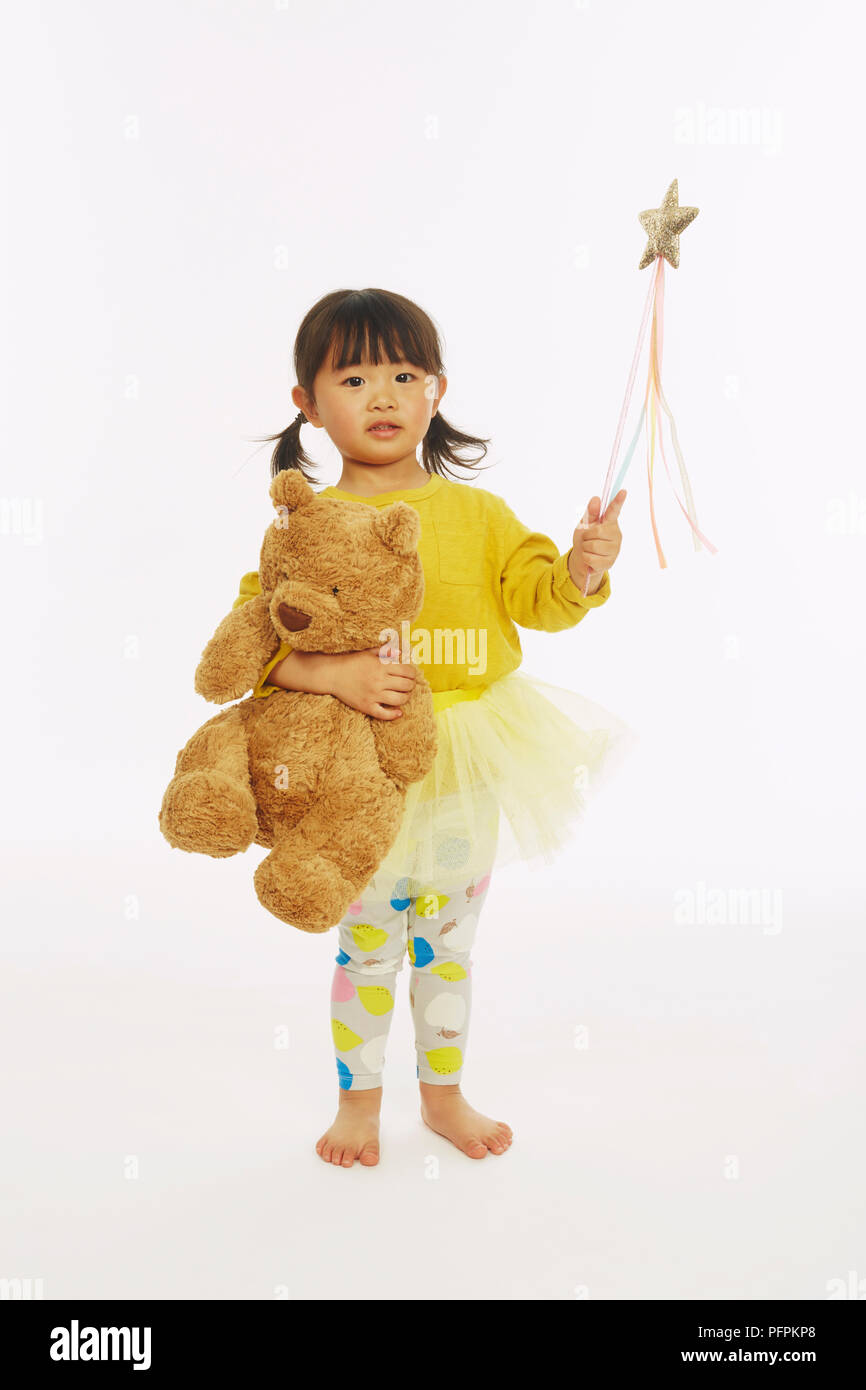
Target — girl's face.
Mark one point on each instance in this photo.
(351, 400)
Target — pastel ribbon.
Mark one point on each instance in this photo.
(653, 397)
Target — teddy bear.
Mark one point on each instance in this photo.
(317, 782)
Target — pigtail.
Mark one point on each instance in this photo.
(439, 444)
(290, 452)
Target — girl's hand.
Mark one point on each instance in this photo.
(372, 682)
(596, 543)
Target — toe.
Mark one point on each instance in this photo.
(476, 1149)
(370, 1154)
(348, 1158)
(337, 1156)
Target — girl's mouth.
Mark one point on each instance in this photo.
(385, 430)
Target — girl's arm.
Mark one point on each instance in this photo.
(309, 671)
(538, 587)
(360, 679)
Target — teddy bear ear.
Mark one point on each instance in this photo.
(398, 527)
(290, 490)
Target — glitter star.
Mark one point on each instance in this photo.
(663, 226)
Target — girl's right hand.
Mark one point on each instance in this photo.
(368, 681)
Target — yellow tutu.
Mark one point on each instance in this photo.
(531, 750)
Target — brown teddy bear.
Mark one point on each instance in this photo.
(319, 783)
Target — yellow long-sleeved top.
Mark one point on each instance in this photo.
(484, 571)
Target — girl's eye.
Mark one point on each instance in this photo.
(359, 378)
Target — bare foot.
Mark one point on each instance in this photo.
(355, 1131)
(446, 1111)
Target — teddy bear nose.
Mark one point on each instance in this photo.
(293, 618)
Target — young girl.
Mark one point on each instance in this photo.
(369, 370)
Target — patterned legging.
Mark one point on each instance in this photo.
(437, 927)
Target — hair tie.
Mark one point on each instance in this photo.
(300, 418)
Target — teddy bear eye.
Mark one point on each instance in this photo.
(335, 590)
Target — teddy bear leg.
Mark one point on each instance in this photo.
(209, 807)
(299, 885)
(319, 866)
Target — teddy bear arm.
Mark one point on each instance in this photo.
(407, 746)
(232, 661)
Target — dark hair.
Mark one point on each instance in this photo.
(383, 326)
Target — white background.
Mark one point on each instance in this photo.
(182, 182)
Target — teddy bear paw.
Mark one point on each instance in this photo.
(312, 897)
(208, 812)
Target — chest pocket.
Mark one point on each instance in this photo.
(461, 556)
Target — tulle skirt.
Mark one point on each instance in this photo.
(513, 773)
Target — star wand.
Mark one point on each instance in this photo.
(663, 226)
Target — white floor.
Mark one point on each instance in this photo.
(686, 1099)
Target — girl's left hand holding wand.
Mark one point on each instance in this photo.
(596, 543)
